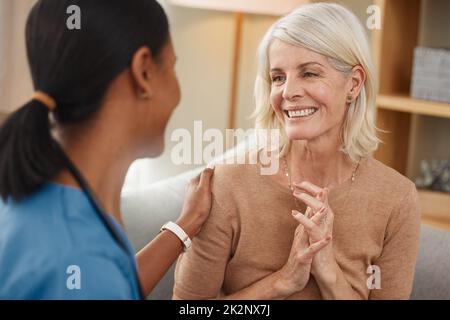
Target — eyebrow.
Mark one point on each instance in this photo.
(300, 66)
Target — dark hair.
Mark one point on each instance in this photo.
(74, 67)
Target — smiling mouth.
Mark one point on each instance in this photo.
(303, 113)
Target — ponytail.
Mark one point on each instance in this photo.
(29, 156)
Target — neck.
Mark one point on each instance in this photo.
(101, 155)
(320, 162)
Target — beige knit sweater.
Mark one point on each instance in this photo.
(250, 231)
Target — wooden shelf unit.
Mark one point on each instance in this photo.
(397, 112)
(435, 207)
(404, 103)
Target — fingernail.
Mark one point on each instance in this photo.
(294, 212)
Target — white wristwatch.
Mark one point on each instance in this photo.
(176, 229)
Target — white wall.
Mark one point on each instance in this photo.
(15, 81)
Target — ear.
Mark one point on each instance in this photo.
(356, 82)
(142, 70)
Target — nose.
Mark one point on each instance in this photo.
(292, 89)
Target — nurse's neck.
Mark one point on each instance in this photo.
(103, 166)
(100, 149)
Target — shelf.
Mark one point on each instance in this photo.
(410, 105)
(435, 208)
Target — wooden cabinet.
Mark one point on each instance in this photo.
(406, 139)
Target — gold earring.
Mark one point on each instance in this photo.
(144, 95)
(349, 98)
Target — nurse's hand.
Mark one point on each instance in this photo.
(197, 203)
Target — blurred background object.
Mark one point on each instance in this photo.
(15, 80)
(431, 74)
(435, 175)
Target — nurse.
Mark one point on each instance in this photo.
(104, 94)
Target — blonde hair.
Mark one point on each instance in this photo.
(335, 32)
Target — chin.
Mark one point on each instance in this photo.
(300, 134)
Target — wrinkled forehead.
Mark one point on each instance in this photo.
(283, 55)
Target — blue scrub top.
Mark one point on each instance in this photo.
(53, 245)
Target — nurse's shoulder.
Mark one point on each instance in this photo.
(44, 256)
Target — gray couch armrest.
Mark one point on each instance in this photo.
(432, 277)
(146, 209)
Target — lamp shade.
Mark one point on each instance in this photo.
(264, 7)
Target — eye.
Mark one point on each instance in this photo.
(278, 78)
(309, 75)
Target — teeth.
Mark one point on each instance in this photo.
(301, 113)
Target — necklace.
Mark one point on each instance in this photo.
(288, 174)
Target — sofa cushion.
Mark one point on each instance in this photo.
(146, 209)
(432, 276)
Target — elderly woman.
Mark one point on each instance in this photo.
(316, 82)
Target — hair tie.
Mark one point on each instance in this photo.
(45, 99)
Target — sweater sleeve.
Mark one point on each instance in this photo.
(398, 258)
(200, 271)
